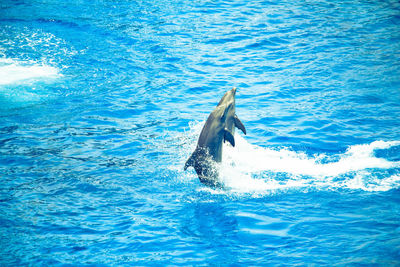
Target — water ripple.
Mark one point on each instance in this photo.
(94, 138)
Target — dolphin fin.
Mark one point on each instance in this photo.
(239, 124)
(190, 161)
(229, 137)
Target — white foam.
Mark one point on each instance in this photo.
(248, 168)
(255, 158)
(12, 71)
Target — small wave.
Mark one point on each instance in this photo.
(248, 168)
(12, 72)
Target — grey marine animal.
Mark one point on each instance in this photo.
(219, 127)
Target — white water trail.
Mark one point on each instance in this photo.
(247, 167)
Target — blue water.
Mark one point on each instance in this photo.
(101, 103)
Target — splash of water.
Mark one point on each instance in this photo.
(23, 83)
(247, 167)
(12, 72)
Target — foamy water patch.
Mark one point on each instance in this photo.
(24, 83)
(12, 72)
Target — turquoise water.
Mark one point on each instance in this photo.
(102, 102)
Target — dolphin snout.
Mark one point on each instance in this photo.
(234, 90)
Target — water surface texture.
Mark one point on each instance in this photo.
(102, 102)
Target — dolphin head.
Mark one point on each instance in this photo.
(229, 97)
(220, 126)
(222, 114)
(227, 105)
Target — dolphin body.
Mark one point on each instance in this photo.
(219, 127)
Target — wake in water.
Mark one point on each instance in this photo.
(248, 168)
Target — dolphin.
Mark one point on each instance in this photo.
(219, 127)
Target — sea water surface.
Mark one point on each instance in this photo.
(102, 102)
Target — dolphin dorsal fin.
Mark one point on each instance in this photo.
(239, 124)
(229, 137)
